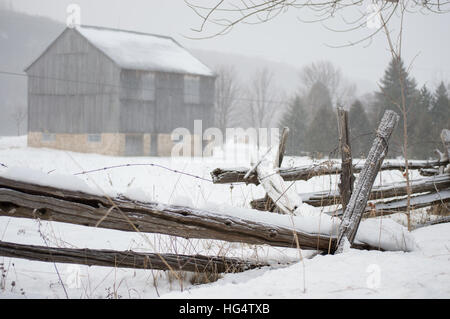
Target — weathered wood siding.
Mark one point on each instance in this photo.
(137, 102)
(170, 107)
(162, 108)
(73, 88)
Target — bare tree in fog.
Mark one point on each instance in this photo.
(325, 72)
(226, 97)
(222, 15)
(264, 100)
(19, 115)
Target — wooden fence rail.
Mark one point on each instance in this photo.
(400, 205)
(127, 259)
(236, 175)
(327, 198)
(19, 199)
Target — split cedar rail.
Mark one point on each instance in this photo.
(326, 198)
(236, 175)
(25, 200)
(127, 259)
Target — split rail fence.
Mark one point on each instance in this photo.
(26, 200)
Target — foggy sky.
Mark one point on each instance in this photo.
(284, 39)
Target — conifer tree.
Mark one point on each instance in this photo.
(295, 119)
(420, 125)
(360, 132)
(440, 114)
(389, 97)
(321, 136)
(441, 108)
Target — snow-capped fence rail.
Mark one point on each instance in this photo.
(431, 184)
(425, 167)
(400, 205)
(26, 200)
(127, 259)
(236, 175)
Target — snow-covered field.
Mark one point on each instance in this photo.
(422, 273)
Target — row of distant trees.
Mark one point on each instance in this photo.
(259, 103)
(311, 113)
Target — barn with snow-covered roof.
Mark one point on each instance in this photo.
(115, 92)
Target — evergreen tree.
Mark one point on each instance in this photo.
(390, 98)
(440, 114)
(318, 95)
(295, 120)
(322, 130)
(420, 141)
(361, 135)
(440, 108)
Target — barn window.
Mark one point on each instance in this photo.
(191, 89)
(148, 86)
(47, 137)
(130, 85)
(136, 85)
(94, 138)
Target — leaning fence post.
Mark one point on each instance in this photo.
(358, 200)
(347, 178)
(270, 205)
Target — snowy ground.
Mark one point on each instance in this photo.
(422, 273)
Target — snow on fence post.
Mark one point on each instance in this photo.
(284, 197)
(347, 178)
(269, 204)
(358, 200)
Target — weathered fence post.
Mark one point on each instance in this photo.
(347, 177)
(282, 146)
(358, 200)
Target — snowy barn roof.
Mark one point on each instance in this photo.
(143, 51)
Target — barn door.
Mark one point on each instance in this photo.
(134, 145)
(154, 145)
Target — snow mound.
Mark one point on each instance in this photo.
(386, 233)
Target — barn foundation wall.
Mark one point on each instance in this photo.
(108, 143)
(113, 144)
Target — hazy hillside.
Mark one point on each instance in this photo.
(22, 39)
(285, 75)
